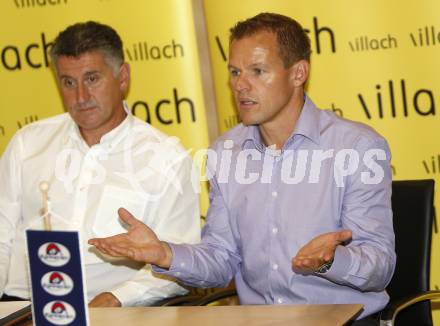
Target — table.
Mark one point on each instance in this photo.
(7, 308)
(304, 315)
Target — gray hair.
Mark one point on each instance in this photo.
(90, 36)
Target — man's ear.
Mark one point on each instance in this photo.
(124, 77)
(300, 73)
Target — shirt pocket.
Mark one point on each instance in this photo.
(107, 221)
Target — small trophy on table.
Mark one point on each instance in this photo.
(44, 188)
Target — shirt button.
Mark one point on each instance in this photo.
(280, 300)
(275, 230)
(177, 273)
(182, 265)
(275, 267)
(274, 194)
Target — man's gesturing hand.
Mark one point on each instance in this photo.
(140, 243)
(319, 250)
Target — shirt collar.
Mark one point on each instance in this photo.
(253, 139)
(110, 139)
(307, 125)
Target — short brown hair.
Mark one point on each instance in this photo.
(293, 42)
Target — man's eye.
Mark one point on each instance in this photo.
(258, 71)
(68, 83)
(92, 79)
(234, 73)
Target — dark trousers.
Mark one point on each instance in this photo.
(6, 297)
(372, 320)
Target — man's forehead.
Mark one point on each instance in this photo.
(261, 35)
(254, 48)
(261, 41)
(92, 60)
(94, 55)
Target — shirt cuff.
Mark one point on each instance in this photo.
(341, 265)
(127, 294)
(181, 262)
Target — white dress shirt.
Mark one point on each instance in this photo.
(134, 166)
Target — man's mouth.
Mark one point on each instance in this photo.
(246, 103)
(85, 108)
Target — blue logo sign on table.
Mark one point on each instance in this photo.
(57, 278)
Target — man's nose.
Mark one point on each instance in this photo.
(241, 83)
(82, 93)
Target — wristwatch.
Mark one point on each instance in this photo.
(324, 267)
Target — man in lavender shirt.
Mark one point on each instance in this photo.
(300, 198)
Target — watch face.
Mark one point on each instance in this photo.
(325, 267)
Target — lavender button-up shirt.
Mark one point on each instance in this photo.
(332, 174)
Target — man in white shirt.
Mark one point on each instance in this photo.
(96, 158)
